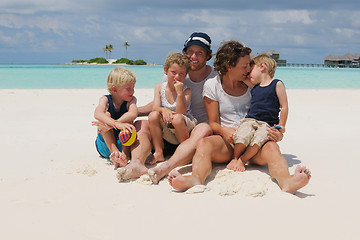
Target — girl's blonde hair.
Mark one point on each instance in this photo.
(118, 77)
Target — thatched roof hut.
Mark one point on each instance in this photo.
(347, 60)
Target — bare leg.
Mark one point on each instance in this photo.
(248, 154)
(210, 149)
(140, 150)
(181, 130)
(183, 154)
(270, 154)
(155, 125)
(126, 154)
(236, 164)
(109, 139)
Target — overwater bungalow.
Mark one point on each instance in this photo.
(346, 61)
(276, 56)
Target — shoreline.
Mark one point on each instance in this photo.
(111, 64)
(51, 176)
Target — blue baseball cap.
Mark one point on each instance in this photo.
(200, 39)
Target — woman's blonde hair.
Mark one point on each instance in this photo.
(118, 77)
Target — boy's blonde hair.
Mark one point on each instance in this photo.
(118, 77)
(268, 61)
(179, 59)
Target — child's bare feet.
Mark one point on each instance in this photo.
(180, 182)
(153, 176)
(157, 157)
(119, 159)
(236, 165)
(300, 178)
(131, 171)
(158, 172)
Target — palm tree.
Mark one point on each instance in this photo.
(126, 45)
(110, 48)
(106, 49)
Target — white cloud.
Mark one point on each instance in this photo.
(291, 16)
(49, 6)
(6, 39)
(45, 23)
(18, 38)
(299, 40)
(347, 32)
(34, 6)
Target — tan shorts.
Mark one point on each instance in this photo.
(169, 131)
(251, 132)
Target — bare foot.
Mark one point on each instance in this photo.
(119, 159)
(158, 172)
(120, 174)
(157, 157)
(236, 165)
(300, 178)
(180, 182)
(131, 171)
(153, 176)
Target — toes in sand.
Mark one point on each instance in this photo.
(120, 174)
(153, 176)
(119, 159)
(300, 179)
(180, 182)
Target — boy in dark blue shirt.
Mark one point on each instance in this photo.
(268, 100)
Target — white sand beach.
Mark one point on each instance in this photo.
(54, 185)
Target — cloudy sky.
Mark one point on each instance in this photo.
(58, 31)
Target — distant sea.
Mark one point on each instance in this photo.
(94, 76)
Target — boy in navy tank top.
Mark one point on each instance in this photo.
(116, 111)
(268, 100)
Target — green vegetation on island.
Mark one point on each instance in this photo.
(108, 49)
(130, 62)
(104, 61)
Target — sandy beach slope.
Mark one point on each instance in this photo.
(54, 186)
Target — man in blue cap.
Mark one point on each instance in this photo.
(198, 48)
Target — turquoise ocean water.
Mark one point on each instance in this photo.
(94, 76)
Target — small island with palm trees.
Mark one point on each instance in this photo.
(107, 60)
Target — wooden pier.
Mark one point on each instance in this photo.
(318, 65)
